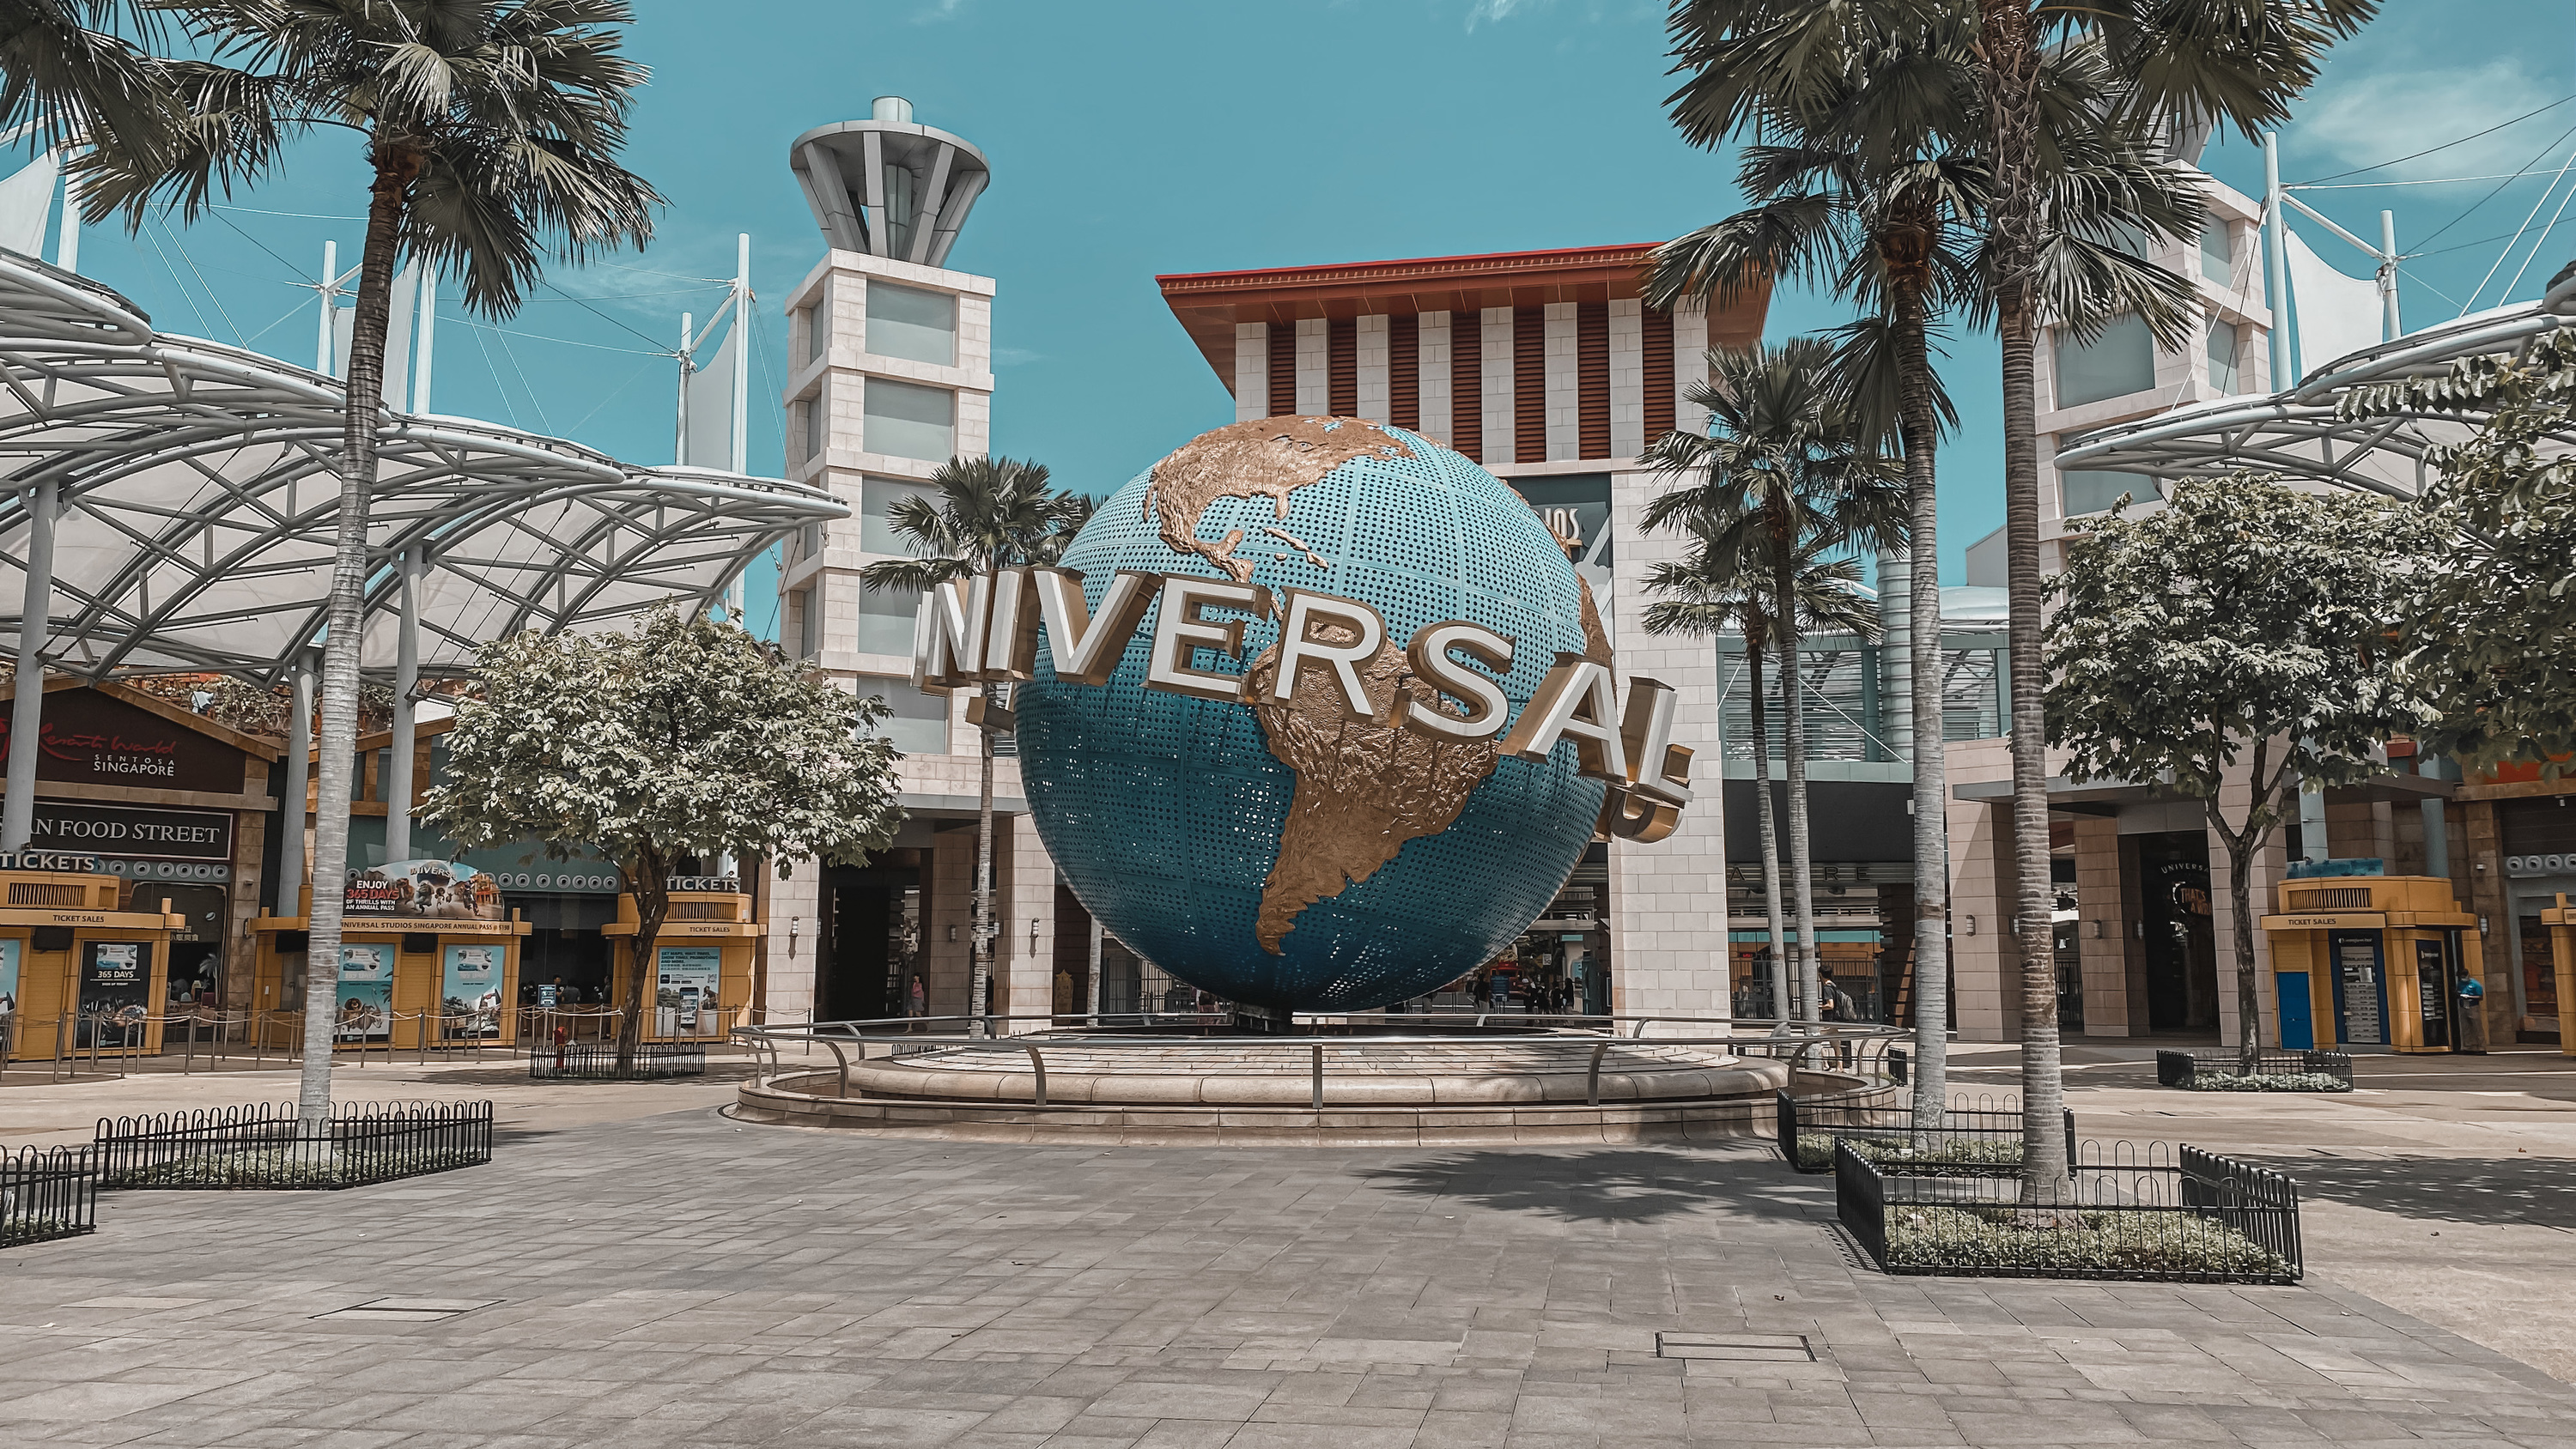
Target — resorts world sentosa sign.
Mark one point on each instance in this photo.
(984, 630)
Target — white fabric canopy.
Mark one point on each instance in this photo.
(2337, 315)
(198, 507)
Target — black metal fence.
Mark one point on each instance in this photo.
(265, 1146)
(590, 1061)
(2202, 1218)
(1979, 1135)
(2274, 1071)
(47, 1192)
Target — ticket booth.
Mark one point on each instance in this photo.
(76, 972)
(701, 982)
(2560, 921)
(2363, 961)
(428, 957)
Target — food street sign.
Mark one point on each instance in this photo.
(984, 630)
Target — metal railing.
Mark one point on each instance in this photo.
(1858, 1050)
(264, 1145)
(593, 1061)
(2324, 1071)
(46, 1193)
(218, 1039)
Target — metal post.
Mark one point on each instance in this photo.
(2437, 830)
(2276, 287)
(2390, 329)
(293, 854)
(322, 349)
(428, 337)
(680, 418)
(406, 731)
(742, 357)
(35, 621)
(1093, 991)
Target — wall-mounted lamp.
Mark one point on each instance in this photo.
(793, 923)
(1967, 925)
(2482, 925)
(2099, 929)
(1033, 938)
(952, 933)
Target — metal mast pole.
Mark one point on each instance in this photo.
(742, 354)
(2390, 329)
(680, 434)
(406, 731)
(26, 719)
(322, 349)
(2276, 290)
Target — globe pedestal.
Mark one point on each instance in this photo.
(1407, 1091)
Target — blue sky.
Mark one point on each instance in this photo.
(1156, 136)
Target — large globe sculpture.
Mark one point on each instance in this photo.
(1281, 855)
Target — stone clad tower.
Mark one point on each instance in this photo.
(890, 375)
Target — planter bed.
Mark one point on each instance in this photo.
(264, 1147)
(47, 1193)
(2203, 1219)
(1880, 1126)
(592, 1061)
(2274, 1071)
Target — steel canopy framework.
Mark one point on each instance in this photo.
(196, 509)
(2298, 432)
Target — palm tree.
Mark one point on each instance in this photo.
(1720, 588)
(2230, 62)
(489, 126)
(72, 79)
(988, 515)
(1789, 465)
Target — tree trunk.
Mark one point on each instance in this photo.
(1770, 833)
(350, 565)
(1802, 884)
(1920, 426)
(979, 982)
(650, 883)
(2241, 850)
(2008, 45)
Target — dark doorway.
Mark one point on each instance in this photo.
(196, 957)
(871, 932)
(2181, 949)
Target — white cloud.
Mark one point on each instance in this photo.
(2373, 118)
(1500, 10)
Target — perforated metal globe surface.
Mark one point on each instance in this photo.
(1281, 855)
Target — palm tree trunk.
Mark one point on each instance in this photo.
(1920, 427)
(1770, 834)
(1793, 720)
(339, 734)
(2008, 45)
(979, 982)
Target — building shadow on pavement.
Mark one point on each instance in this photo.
(1617, 1185)
(2535, 1190)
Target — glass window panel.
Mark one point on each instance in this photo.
(907, 420)
(909, 323)
(2224, 338)
(2217, 261)
(812, 317)
(885, 621)
(2086, 490)
(917, 723)
(813, 410)
(877, 497)
(2121, 360)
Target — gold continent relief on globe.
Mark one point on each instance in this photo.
(1363, 787)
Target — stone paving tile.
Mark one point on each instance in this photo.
(686, 1281)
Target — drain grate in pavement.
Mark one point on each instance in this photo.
(1736, 1347)
(408, 1310)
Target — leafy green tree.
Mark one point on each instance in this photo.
(988, 514)
(2232, 63)
(1868, 177)
(2492, 636)
(684, 737)
(1718, 588)
(2243, 621)
(1788, 466)
(488, 127)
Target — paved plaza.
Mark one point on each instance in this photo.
(626, 1273)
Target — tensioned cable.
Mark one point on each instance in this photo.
(2481, 241)
(2507, 253)
(2536, 158)
(2447, 145)
(2435, 181)
(2534, 254)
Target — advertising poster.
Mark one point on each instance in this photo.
(427, 890)
(366, 1010)
(115, 992)
(685, 989)
(9, 975)
(471, 999)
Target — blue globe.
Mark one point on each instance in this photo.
(1281, 855)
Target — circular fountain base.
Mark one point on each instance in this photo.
(1483, 1091)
